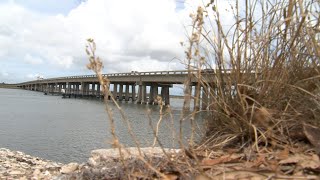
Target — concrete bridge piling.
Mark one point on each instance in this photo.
(150, 86)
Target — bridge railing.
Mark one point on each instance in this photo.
(133, 73)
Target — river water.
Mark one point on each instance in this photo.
(66, 130)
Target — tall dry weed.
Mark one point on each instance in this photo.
(261, 74)
(265, 69)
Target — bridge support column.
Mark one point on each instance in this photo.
(87, 89)
(55, 88)
(142, 99)
(155, 94)
(115, 90)
(63, 85)
(197, 97)
(139, 94)
(152, 95)
(205, 97)
(120, 92)
(46, 89)
(98, 90)
(74, 89)
(93, 87)
(68, 88)
(50, 89)
(77, 89)
(127, 93)
(71, 86)
(60, 87)
(82, 89)
(165, 95)
(133, 92)
(144, 94)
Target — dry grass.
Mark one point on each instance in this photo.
(266, 70)
(263, 84)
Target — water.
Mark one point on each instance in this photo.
(66, 130)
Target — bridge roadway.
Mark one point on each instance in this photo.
(124, 86)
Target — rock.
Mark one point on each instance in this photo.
(17, 172)
(36, 172)
(52, 166)
(24, 165)
(10, 154)
(69, 168)
(17, 165)
(103, 164)
(94, 161)
(23, 178)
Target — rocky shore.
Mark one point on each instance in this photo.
(103, 164)
(18, 165)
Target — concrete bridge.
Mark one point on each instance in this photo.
(124, 86)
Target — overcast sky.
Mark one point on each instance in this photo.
(47, 37)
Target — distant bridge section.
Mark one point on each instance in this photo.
(124, 86)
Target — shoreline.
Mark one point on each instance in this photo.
(103, 163)
(18, 165)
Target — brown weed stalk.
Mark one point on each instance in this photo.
(264, 79)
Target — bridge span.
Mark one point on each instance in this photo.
(124, 86)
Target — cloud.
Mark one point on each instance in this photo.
(135, 33)
(34, 76)
(4, 74)
(32, 60)
(141, 35)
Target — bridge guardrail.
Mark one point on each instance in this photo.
(133, 73)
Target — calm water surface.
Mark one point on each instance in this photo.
(66, 130)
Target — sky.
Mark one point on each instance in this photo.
(47, 38)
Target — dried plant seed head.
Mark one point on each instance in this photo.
(196, 52)
(87, 51)
(89, 66)
(90, 40)
(93, 46)
(192, 16)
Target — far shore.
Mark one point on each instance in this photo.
(9, 86)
